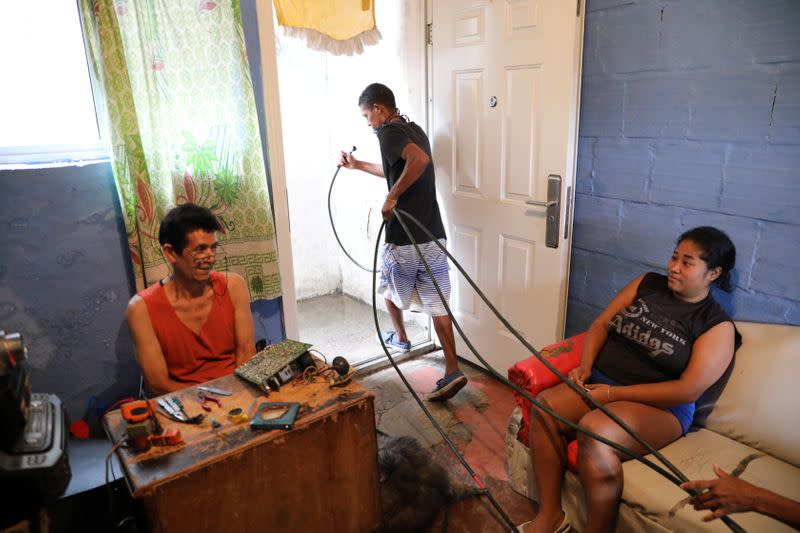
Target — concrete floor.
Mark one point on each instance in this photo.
(475, 420)
(338, 324)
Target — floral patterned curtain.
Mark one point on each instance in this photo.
(175, 83)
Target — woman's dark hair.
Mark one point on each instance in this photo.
(182, 220)
(718, 251)
(377, 93)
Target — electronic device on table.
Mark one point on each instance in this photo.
(142, 429)
(275, 415)
(34, 468)
(277, 364)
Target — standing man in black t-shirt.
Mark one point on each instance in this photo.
(404, 282)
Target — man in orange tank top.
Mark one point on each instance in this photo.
(194, 325)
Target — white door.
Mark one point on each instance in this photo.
(505, 88)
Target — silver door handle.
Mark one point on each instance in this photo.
(539, 203)
(553, 213)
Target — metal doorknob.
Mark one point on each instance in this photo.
(539, 203)
(553, 206)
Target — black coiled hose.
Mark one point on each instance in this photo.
(675, 476)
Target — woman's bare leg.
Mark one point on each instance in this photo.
(548, 444)
(600, 466)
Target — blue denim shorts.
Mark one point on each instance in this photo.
(684, 412)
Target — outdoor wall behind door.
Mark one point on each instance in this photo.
(690, 115)
(319, 110)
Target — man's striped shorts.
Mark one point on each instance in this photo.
(404, 280)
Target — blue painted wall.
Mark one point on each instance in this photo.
(65, 281)
(690, 115)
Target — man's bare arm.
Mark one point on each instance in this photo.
(242, 319)
(349, 161)
(730, 494)
(148, 350)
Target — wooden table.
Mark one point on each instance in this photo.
(320, 476)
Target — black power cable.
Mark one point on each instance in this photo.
(333, 226)
(678, 477)
(467, 467)
(472, 473)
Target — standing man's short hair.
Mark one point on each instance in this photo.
(377, 93)
(182, 220)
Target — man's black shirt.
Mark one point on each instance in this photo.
(418, 200)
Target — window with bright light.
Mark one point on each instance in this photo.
(47, 111)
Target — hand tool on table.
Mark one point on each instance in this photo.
(170, 437)
(143, 429)
(172, 407)
(205, 398)
(214, 390)
(237, 415)
(139, 424)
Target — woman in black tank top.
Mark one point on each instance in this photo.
(660, 344)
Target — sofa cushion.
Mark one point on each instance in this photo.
(695, 455)
(758, 405)
(648, 498)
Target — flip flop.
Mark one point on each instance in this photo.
(390, 338)
(562, 528)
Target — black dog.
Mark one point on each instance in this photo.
(414, 487)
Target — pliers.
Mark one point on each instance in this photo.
(205, 398)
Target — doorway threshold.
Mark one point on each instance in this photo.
(379, 362)
(338, 324)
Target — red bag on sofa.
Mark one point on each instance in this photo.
(532, 376)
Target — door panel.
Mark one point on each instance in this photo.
(520, 139)
(467, 133)
(465, 243)
(504, 87)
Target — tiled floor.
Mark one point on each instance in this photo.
(475, 420)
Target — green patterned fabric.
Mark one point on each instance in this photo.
(175, 83)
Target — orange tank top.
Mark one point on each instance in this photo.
(195, 358)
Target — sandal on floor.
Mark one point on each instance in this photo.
(390, 338)
(562, 528)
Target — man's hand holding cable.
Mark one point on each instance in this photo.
(388, 205)
(347, 160)
(725, 495)
(729, 494)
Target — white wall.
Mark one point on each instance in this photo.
(319, 103)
